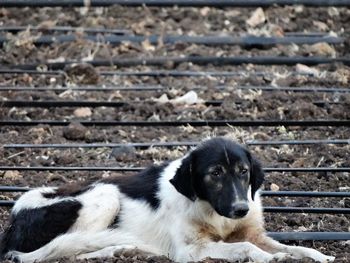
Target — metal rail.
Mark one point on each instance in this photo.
(160, 87)
(160, 73)
(246, 41)
(16, 29)
(145, 145)
(194, 123)
(263, 193)
(170, 3)
(136, 169)
(93, 104)
(280, 236)
(198, 60)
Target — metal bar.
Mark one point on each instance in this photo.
(280, 236)
(199, 60)
(304, 194)
(170, 3)
(57, 103)
(159, 87)
(194, 123)
(93, 104)
(4, 188)
(263, 193)
(158, 73)
(246, 41)
(145, 145)
(16, 29)
(313, 210)
(136, 169)
(299, 142)
(88, 88)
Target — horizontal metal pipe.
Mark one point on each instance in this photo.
(170, 3)
(80, 103)
(159, 73)
(209, 123)
(263, 193)
(93, 104)
(88, 88)
(198, 60)
(313, 210)
(319, 236)
(136, 169)
(245, 41)
(145, 145)
(16, 29)
(159, 87)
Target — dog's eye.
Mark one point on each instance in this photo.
(244, 172)
(217, 172)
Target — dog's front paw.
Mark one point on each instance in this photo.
(281, 256)
(323, 258)
(14, 256)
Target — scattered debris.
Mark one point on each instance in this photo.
(274, 187)
(83, 112)
(300, 68)
(257, 17)
(74, 131)
(82, 73)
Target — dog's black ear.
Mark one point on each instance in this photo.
(256, 174)
(183, 179)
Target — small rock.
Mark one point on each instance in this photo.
(274, 187)
(146, 45)
(82, 112)
(82, 73)
(322, 49)
(204, 11)
(189, 98)
(11, 175)
(162, 99)
(320, 25)
(258, 17)
(74, 131)
(123, 153)
(306, 70)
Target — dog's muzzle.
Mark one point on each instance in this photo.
(239, 210)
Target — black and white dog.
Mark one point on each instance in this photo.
(205, 204)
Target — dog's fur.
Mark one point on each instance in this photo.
(188, 209)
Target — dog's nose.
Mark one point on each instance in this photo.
(241, 209)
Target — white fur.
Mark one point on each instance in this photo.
(170, 230)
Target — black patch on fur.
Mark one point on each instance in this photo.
(71, 190)
(31, 229)
(257, 175)
(183, 179)
(143, 186)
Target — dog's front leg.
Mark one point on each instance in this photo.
(231, 251)
(272, 246)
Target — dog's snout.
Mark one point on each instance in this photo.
(240, 209)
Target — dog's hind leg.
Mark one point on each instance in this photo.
(111, 251)
(77, 243)
(272, 246)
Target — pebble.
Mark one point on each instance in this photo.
(257, 17)
(11, 175)
(74, 131)
(274, 187)
(82, 112)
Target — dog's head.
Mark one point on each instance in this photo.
(220, 172)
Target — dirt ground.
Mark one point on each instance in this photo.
(236, 104)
